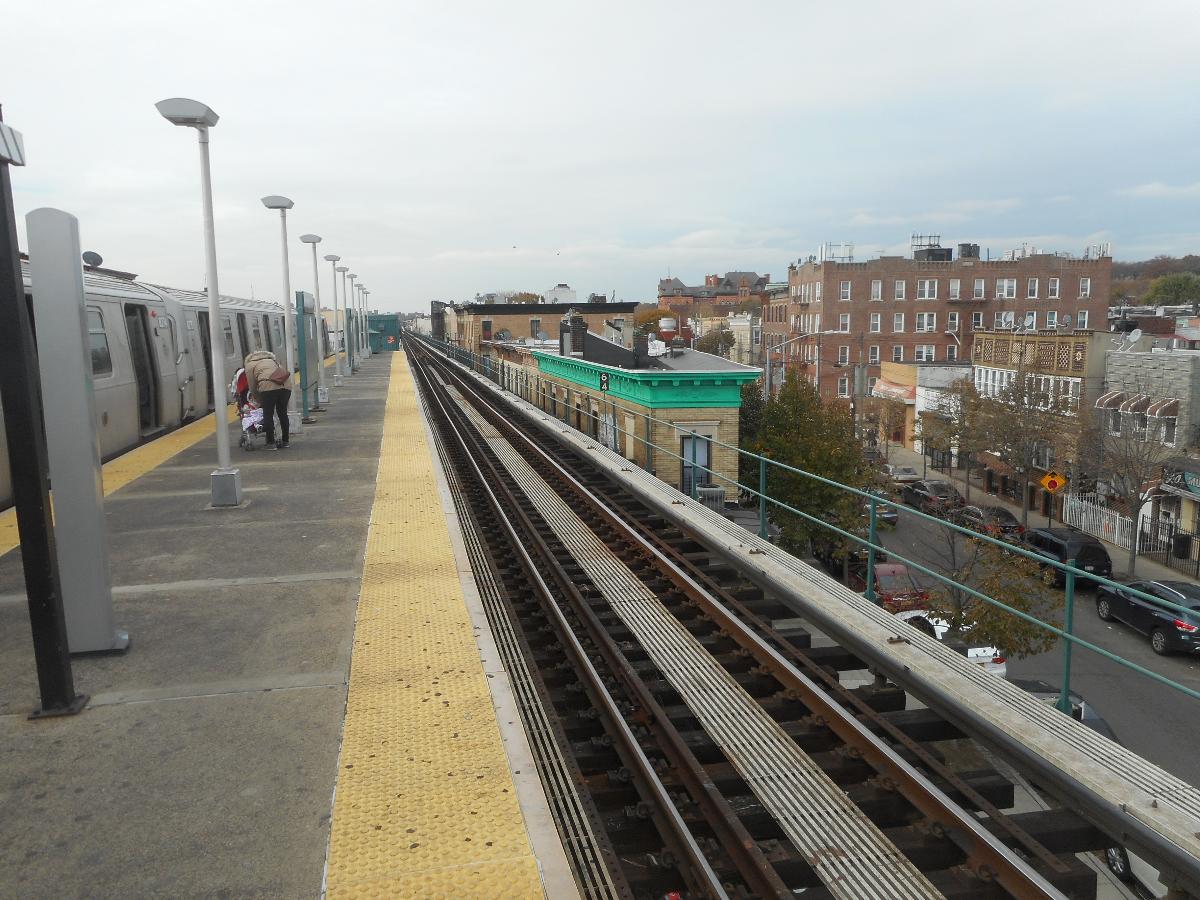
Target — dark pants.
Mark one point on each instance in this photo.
(275, 403)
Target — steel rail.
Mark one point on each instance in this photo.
(673, 826)
(989, 857)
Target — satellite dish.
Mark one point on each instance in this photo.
(1135, 335)
(92, 258)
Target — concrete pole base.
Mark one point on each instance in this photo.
(226, 487)
(322, 396)
(337, 380)
(119, 643)
(295, 423)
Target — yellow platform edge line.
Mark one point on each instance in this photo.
(424, 803)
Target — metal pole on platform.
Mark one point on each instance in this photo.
(338, 327)
(346, 327)
(226, 481)
(322, 390)
(346, 315)
(366, 324)
(28, 462)
(302, 351)
(283, 204)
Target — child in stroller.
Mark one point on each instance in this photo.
(248, 411)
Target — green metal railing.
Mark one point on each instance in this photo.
(504, 374)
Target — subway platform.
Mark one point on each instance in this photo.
(309, 704)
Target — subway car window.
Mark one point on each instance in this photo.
(230, 350)
(277, 331)
(256, 335)
(98, 341)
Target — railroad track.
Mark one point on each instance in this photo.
(695, 747)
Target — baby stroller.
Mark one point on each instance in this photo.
(251, 415)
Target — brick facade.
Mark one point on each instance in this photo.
(901, 309)
(473, 323)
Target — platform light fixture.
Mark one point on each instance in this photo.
(283, 204)
(322, 390)
(226, 481)
(352, 287)
(338, 329)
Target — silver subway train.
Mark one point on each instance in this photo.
(150, 356)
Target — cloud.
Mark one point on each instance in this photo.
(952, 213)
(1160, 189)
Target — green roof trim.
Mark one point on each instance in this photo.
(653, 388)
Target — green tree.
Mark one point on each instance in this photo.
(717, 342)
(1008, 577)
(954, 424)
(750, 423)
(1173, 290)
(802, 431)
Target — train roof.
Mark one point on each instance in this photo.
(106, 282)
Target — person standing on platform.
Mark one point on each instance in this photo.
(270, 383)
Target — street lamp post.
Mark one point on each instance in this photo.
(354, 291)
(366, 325)
(345, 309)
(283, 204)
(322, 390)
(226, 481)
(338, 374)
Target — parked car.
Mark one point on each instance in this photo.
(1170, 631)
(902, 474)
(995, 521)
(832, 551)
(1129, 867)
(931, 496)
(989, 658)
(1064, 544)
(884, 514)
(895, 586)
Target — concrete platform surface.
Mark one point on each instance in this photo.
(205, 765)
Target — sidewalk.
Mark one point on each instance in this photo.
(1146, 569)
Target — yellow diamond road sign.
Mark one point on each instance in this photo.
(1053, 482)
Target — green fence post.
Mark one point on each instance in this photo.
(762, 498)
(693, 478)
(1064, 697)
(873, 537)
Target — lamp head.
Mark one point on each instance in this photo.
(331, 257)
(181, 111)
(342, 269)
(311, 238)
(277, 202)
(352, 275)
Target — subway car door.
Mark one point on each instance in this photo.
(205, 354)
(164, 347)
(141, 352)
(176, 322)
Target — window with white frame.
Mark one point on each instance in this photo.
(844, 290)
(897, 323)
(924, 353)
(976, 320)
(1114, 421)
(1006, 288)
(874, 326)
(1031, 288)
(955, 287)
(844, 322)
(897, 353)
(1004, 319)
(876, 289)
(979, 289)
(951, 352)
(1052, 289)
(1081, 319)
(926, 322)
(926, 288)
(952, 322)
(1166, 430)
(871, 384)
(843, 354)
(1085, 287)
(873, 354)
(818, 294)
(898, 290)
(843, 387)
(1051, 318)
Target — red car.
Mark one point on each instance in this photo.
(895, 587)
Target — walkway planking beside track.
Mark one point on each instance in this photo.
(850, 855)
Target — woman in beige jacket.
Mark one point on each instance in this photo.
(273, 396)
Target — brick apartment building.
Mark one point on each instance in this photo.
(923, 308)
(729, 290)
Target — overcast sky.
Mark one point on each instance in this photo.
(449, 148)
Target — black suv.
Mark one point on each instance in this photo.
(1066, 544)
(931, 496)
(1170, 630)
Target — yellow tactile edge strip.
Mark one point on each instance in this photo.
(425, 805)
(127, 467)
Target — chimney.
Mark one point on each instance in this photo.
(677, 345)
(578, 330)
(641, 347)
(564, 337)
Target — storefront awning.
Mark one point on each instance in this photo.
(889, 390)
(1164, 409)
(1111, 400)
(1136, 404)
